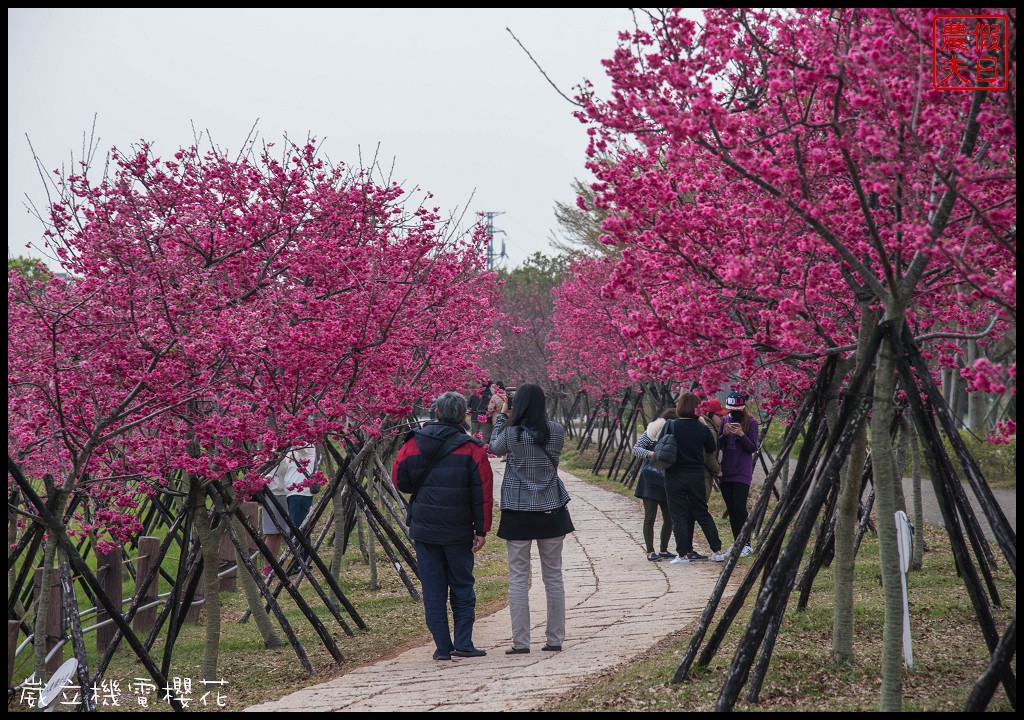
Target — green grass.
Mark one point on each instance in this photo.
(948, 646)
(948, 649)
(255, 674)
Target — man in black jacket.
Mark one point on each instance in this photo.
(449, 479)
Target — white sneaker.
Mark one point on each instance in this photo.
(679, 560)
(747, 550)
(718, 556)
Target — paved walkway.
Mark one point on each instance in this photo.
(618, 606)
(1006, 498)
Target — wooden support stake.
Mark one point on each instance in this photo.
(251, 511)
(149, 552)
(13, 626)
(192, 613)
(229, 580)
(54, 615)
(108, 573)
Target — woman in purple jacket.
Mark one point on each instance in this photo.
(738, 442)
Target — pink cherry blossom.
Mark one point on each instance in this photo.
(226, 307)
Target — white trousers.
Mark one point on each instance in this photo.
(550, 551)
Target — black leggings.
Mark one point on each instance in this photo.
(689, 506)
(735, 495)
(650, 515)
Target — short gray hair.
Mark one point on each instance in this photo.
(451, 407)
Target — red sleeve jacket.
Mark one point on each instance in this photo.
(455, 501)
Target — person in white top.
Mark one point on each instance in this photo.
(288, 483)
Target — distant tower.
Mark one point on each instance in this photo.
(490, 239)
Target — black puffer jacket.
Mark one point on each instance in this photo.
(455, 502)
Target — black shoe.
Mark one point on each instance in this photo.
(552, 648)
(517, 651)
(471, 652)
(666, 555)
(694, 555)
(438, 655)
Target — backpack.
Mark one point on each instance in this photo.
(666, 450)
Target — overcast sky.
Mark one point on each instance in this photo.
(447, 96)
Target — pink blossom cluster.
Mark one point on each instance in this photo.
(775, 180)
(985, 376)
(224, 308)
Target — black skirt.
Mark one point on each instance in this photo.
(534, 525)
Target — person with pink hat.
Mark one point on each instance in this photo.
(712, 418)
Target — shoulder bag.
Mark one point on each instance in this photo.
(666, 450)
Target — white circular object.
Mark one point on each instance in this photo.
(57, 681)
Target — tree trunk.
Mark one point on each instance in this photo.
(952, 390)
(975, 400)
(42, 610)
(337, 508)
(846, 516)
(885, 477)
(844, 559)
(209, 542)
(252, 593)
(947, 385)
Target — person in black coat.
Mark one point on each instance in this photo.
(684, 482)
(449, 479)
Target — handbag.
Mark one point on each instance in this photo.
(666, 450)
(652, 475)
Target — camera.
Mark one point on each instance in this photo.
(735, 416)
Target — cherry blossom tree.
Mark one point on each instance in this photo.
(223, 309)
(586, 346)
(781, 180)
(526, 304)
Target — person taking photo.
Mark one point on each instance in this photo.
(534, 509)
(738, 440)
